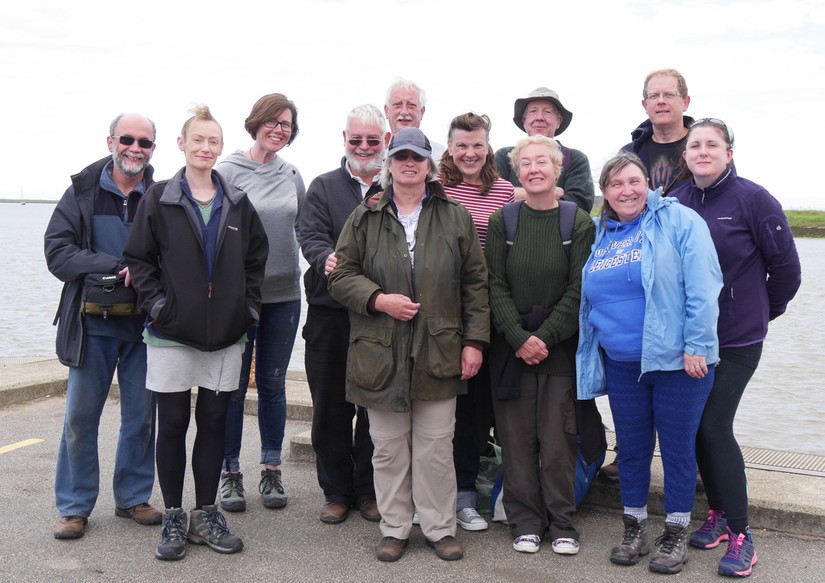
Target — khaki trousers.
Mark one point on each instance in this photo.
(413, 468)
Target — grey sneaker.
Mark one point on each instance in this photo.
(673, 551)
(172, 545)
(634, 543)
(469, 519)
(232, 499)
(271, 489)
(208, 527)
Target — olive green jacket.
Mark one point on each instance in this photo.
(391, 362)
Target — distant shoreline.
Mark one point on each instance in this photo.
(803, 223)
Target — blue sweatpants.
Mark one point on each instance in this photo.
(669, 403)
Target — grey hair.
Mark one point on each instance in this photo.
(401, 83)
(369, 115)
(115, 121)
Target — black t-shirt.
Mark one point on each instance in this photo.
(665, 162)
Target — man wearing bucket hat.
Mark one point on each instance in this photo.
(542, 113)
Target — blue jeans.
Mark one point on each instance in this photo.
(77, 482)
(273, 338)
(669, 402)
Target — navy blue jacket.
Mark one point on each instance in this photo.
(69, 255)
(756, 251)
(641, 138)
(329, 202)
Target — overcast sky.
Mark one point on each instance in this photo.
(68, 68)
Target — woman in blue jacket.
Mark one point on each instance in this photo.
(648, 339)
(761, 274)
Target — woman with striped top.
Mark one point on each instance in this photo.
(469, 176)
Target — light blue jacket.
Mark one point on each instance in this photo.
(681, 279)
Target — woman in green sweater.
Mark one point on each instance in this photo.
(534, 295)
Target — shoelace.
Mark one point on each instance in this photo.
(711, 523)
(668, 541)
(631, 534)
(217, 522)
(270, 480)
(528, 538)
(471, 513)
(173, 529)
(735, 546)
(233, 483)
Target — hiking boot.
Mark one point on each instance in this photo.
(634, 543)
(172, 545)
(141, 513)
(527, 543)
(69, 527)
(271, 489)
(448, 548)
(390, 549)
(712, 532)
(369, 510)
(470, 519)
(334, 512)
(740, 557)
(232, 498)
(208, 527)
(673, 552)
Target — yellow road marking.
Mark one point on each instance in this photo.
(19, 444)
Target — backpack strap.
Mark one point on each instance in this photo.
(567, 220)
(509, 216)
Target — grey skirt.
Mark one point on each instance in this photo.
(174, 369)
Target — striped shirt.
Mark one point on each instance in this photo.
(481, 207)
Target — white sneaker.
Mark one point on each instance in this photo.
(469, 519)
(415, 518)
(527, 543)
(565, 546)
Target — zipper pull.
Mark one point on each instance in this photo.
(210, 291)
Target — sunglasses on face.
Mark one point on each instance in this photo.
(405, 155)
(371, 142)
(129, 140)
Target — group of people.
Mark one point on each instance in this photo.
(449, 290)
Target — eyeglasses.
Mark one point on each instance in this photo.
(667, 96)
(405, 155)
(715, 122)
(371, 142)
(129, 140)
(274, 123)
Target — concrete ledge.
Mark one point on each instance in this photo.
(779, 501)
(32, 380)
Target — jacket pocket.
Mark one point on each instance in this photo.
(443, 347)
(370, 362)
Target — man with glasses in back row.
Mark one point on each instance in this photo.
(660, 140)
(86, 234)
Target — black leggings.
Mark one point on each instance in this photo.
(717, 452)
(174, 412)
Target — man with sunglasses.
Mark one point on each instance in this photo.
(86, 234)
(660, 140)
(344, 463)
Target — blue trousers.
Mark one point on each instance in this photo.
(273, 339)
(77, 480)
(669, 403)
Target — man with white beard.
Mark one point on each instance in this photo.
(405, 107)
(343, 461)
(86, 234)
